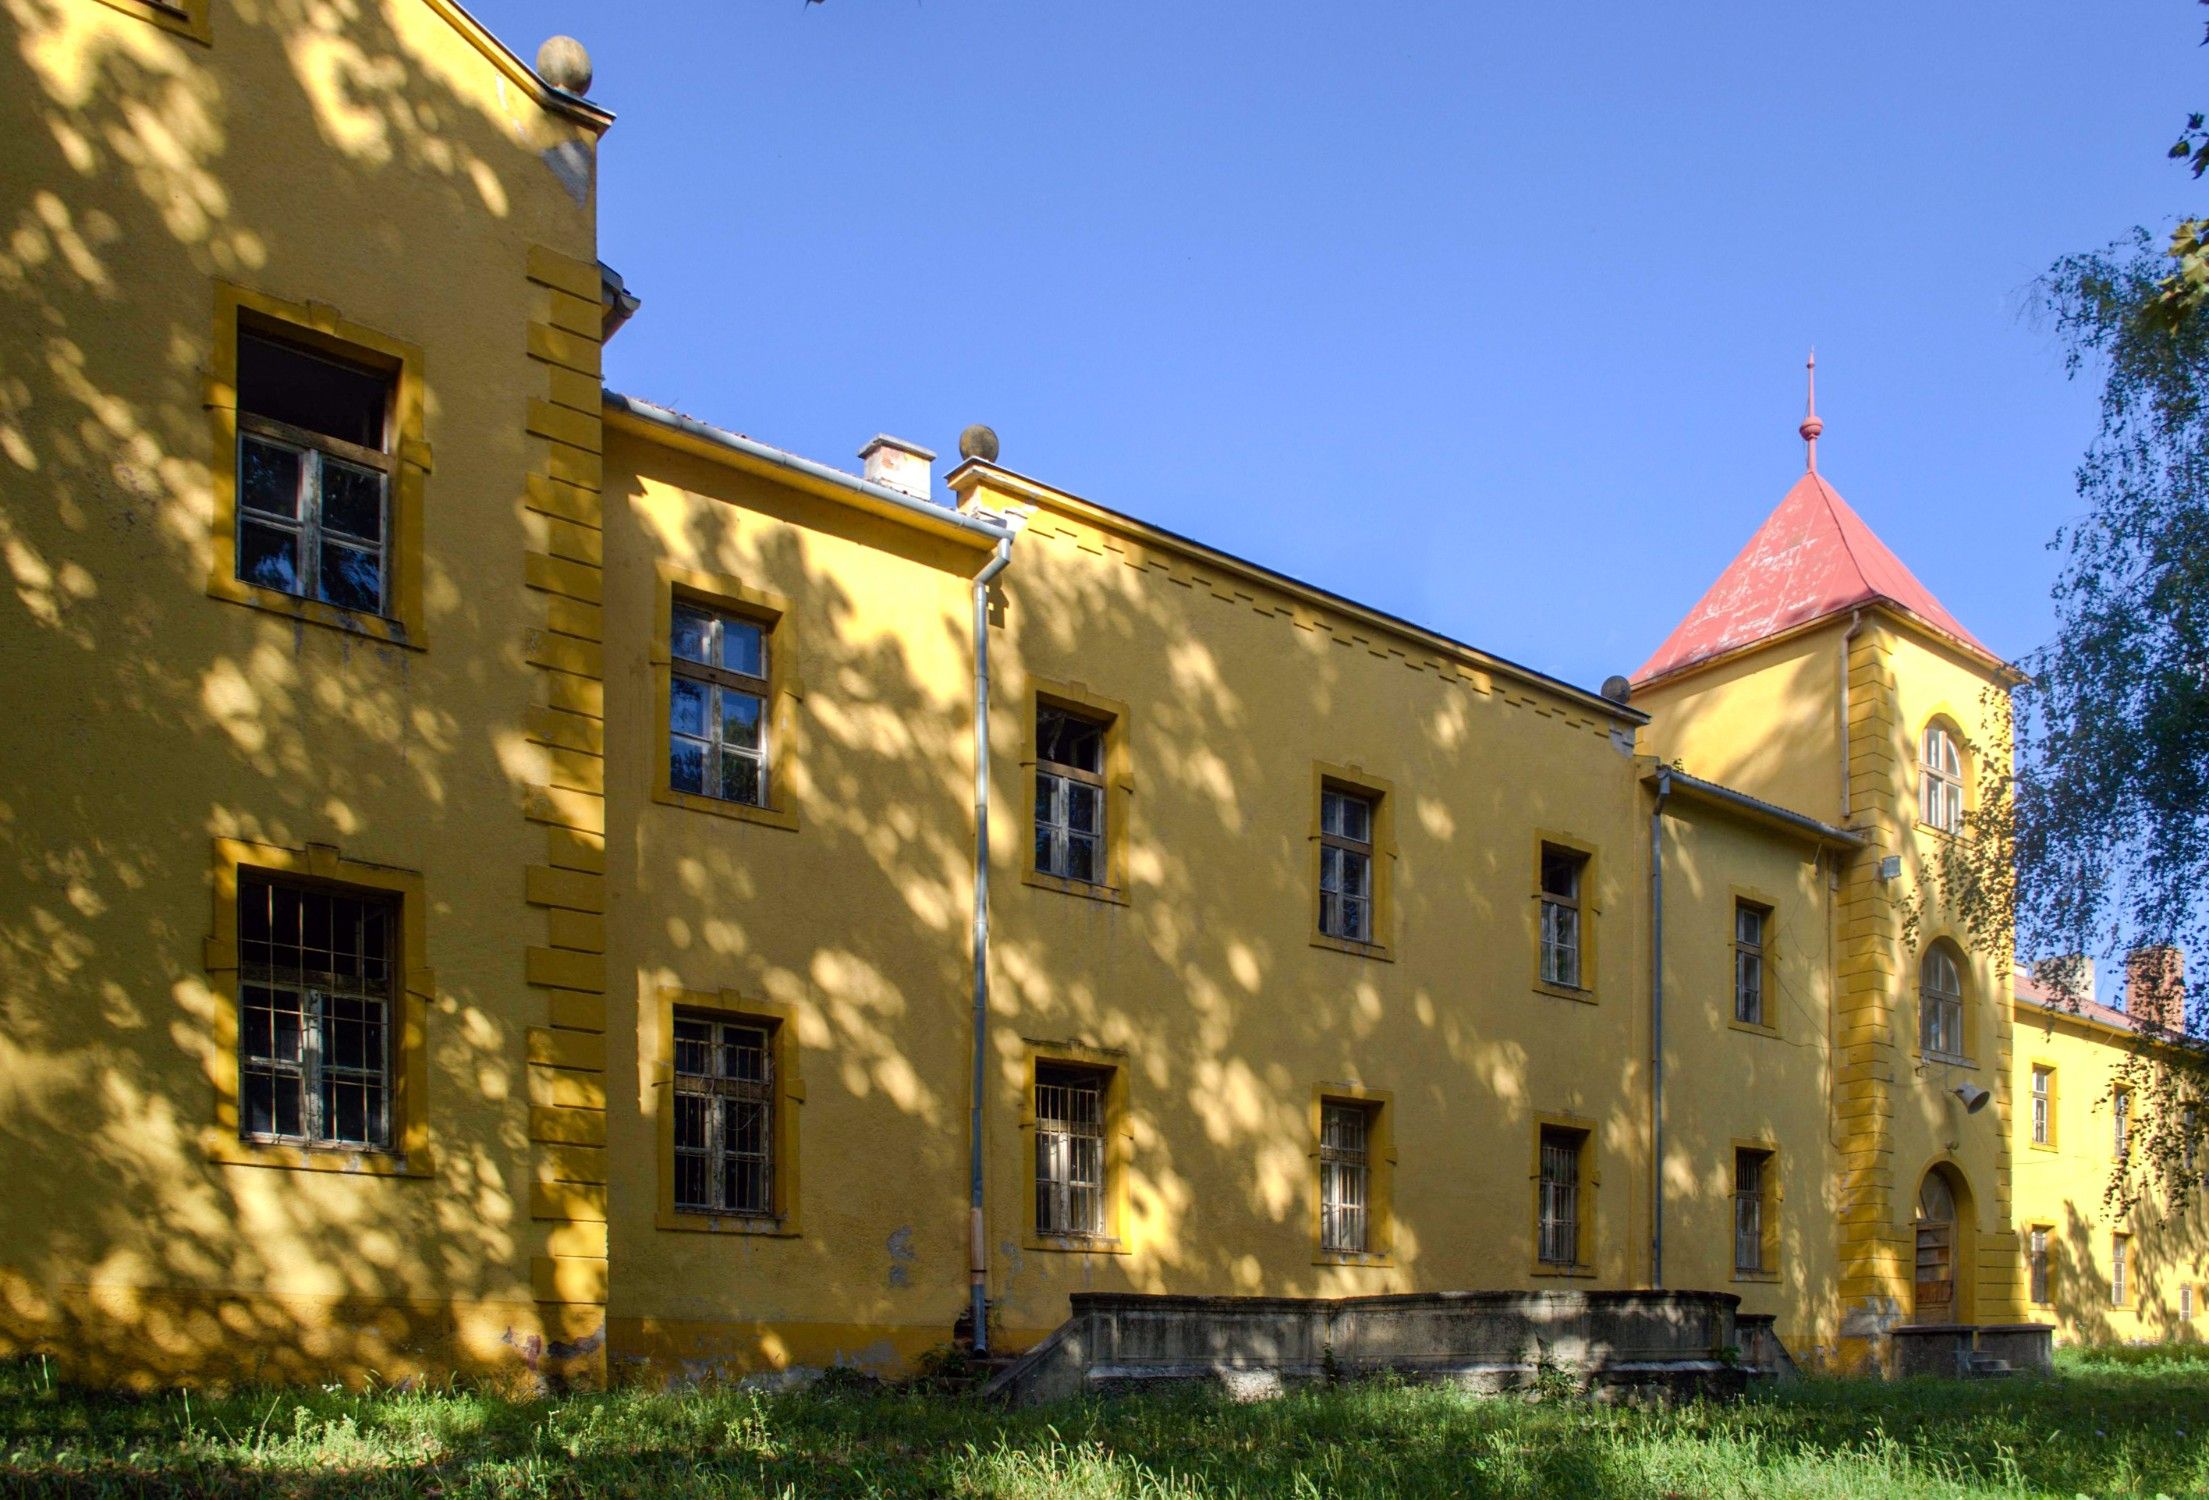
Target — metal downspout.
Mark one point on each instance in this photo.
(977, 1228)
(1656, 1031)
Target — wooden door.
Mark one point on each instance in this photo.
(1935, 1300)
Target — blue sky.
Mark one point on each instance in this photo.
(1490, 316)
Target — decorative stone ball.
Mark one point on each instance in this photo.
(978, 442)
(1617, 688)
(563, 63)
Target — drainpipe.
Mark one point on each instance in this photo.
(1656, 1030)
(1856, 623)
(977, 1227)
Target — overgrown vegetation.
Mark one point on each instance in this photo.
(2116, 1424)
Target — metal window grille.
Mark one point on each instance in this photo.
(1559, 1224)
(2043, 1102)
(2118, 1249)
(2121, 1107)
(2186, 1302)
(724, 1116)
(1748, 963)
(1069, 796)
(314, 477)
(1561, 880)
(1346, 866)
(1940, 1006)
(2038, 1260)
(717, 705)
(315, 990)
(1070, 1152)
(1941, 781)
(1345, 1177)
(1748, 1210)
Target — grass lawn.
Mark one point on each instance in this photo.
(2132, 1427)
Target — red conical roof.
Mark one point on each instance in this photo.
(1812, 557)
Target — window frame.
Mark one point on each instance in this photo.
(413, 987)
(1379, 1108)
(1944, 813)
(319, 330)
(2123, 1274)
(1766, 952)
(2120, 1121)
(1765, 1153)
(1345, 1177)
(1584, 904)
(721, 1090)
(1587, 1179)
(1117, 781)
(1112, 1066)
(717, 679)
(1354, 781)
(2041, 1129)
(1959, 1001)
(1060, 1182)
(2040, 1265)
(186, 18)
(782, 729)
(782, 1023)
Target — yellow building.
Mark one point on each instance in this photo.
(491, 863)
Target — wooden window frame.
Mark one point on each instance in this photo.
(1952, 782)
(2044, 1271)
(1379, 1106)
(1590, 914)
(1768, 953)
(1588, 1180)
(2041, 1130)
(1118, 1146)
(2123, 1274)
(720, 1091)
(1117, 781)
(2120, 1124)
(1961, 1056)
(186, 18)
(658, 1048)
(1770, 1195)
(783, 728)
(319, 329)
(1354, 781)
(715, 678)
(413, 989)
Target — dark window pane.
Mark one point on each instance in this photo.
(269, 557)
(690, 1122)
(268, 479)
(1069, 740)
(694, 1048)
(1084, 807)
(740, 781)
(1561, 873)
(740, 715)
(288, 384)
(743, 647)
(1043, 861)
(691, 635)
(686, 707)
(351, 578)
(686, 765)
(352, 500)
(290, 1107)
(690, 1182)
(1081, 858)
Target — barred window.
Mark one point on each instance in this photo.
(1070, 1151)
(2121, 1108)
(2044, 1101)
(1749, 922)
(1751, 1194)
(314, 476)
(724, 1116)
(1562, 876)
(1069, 795)
(2186, 1302)
(1941, 781)
(1346, 865)
(2120, 1252)
(2037, 1262)
(1345, 1176)
(1940, 1005)
(1558, 1238)
(717, 705)
(315, 993)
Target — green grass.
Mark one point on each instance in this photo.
(2111, 1426)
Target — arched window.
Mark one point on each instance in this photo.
(1941, 781)
(1940, 1005)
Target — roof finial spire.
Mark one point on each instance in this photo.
(1811, 426)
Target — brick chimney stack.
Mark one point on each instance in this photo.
(2155, 986)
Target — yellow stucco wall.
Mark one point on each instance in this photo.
(1766, 722)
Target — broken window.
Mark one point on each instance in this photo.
(1749, 923)
(314, 476)
(724, 1116)
(1563, 871)
(315, 993)
(1069, 1151)
(1558, 1212)
(717, 705)
(1346, 865)
(1345, 1176)
(1069, 795)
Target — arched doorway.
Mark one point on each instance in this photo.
(1943, 1248)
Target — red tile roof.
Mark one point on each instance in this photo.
(1812, 557)
(2032, 991)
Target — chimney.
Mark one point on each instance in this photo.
(899, 465)
(2155, 986)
